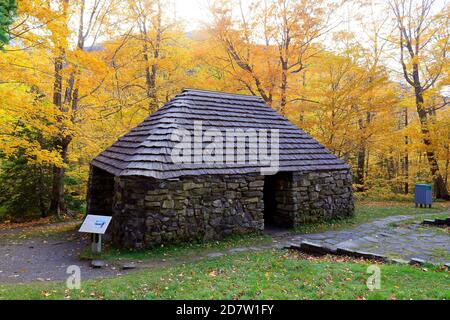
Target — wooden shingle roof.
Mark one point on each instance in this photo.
(146, 149)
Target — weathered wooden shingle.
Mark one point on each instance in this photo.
(146, 149)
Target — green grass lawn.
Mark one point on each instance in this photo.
(263, 275)
(181, 249)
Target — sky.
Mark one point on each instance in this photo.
(192, 12)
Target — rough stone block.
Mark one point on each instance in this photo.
(217, 203)
(371, 256)
(97, 264)
(417, 261)
(128, 266)
(168, 204)
(314, 248)
(399, 261)
(305, 182)
(257, 183)
(232, 186)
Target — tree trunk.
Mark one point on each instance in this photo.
(406, 172)
(447, 162)
(148, 80)
(152, 69)
(150, 73)
(362, 153)
(439, 183)
(57, 205)
(41, 193)
(360, 166)
(57, 202)
(406, 157)
(284, 84)
(390, 168)
(360, 161)
(367, 163)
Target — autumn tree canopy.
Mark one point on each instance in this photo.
(368, 79)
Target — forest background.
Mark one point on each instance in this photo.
(368, 79)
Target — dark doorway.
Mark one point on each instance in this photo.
(100, 193)
(270, 202)
(278, 199)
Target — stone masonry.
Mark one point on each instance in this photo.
(147, 211)
(314, 196)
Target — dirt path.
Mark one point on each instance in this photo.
(44, 258)
(47, 259)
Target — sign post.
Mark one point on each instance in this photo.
(96, 243)
(96, 226)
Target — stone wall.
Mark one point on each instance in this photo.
(148, 211)
(315, 196)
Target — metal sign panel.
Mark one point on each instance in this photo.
(95, 224)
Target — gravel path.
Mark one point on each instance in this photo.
(39, 259)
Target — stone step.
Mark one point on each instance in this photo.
(97, 264)
(312, 248)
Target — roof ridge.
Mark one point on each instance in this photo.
(221, 92)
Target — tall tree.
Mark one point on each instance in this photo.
(423, 42)
(271, 42)
(66, 73)
(148, 17)
(342, 93)
(151, 60)
(369, 54)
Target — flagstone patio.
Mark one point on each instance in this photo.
(397, 237)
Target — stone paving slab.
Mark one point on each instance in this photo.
(409, 241)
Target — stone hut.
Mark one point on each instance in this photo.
(154, 197)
